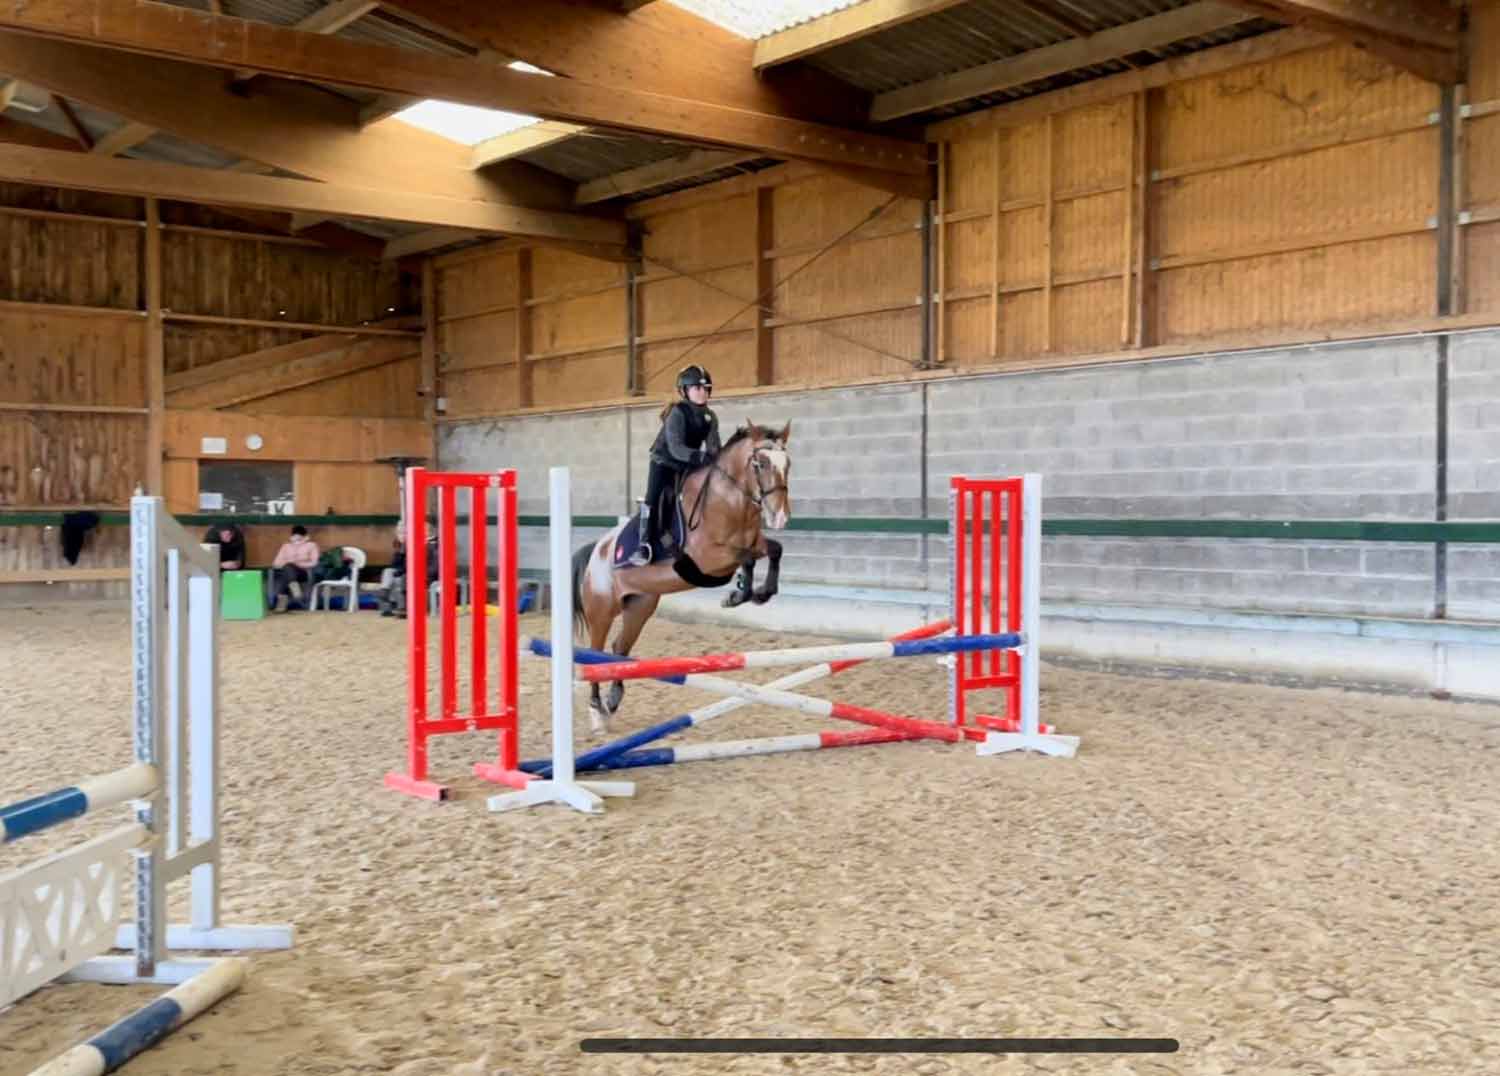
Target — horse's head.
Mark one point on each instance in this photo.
(768, 465)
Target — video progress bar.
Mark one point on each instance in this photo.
(879, 1046)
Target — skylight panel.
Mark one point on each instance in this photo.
(757, 18)
(467, 124)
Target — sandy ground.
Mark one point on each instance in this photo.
(1286, 881)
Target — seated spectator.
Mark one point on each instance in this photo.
(292, 568)
(231, 543)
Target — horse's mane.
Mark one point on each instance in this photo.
(742, 433)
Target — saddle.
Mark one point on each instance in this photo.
(673, 535)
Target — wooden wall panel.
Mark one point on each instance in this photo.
(347, 488)
(1345, 191)
(388, 391)
(1086, 317)
(1336, 286)
(707, 236)
(204, 274)
(851, 277)
(587, 321)
(559, 273)
(1087, 238)
(30, 548)
(560, 382)
(873, 345)
(1020, 328)
(49, 459)
(473, 287)
(731, 359)
(329, 440)
(1270, 108)
(59, 358)
(77, 263)
(699, 303)
(484, 391)
(189, 346)
(1090, 147)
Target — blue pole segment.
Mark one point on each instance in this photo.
(600, 756)
(957, 644)
(119, 1043)
(37, 813)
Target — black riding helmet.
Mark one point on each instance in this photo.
(690, 376)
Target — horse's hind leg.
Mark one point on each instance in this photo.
(599, 618)
(638, 610)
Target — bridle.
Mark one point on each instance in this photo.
(758, 466)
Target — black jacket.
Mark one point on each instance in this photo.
(234, 549)
(689, 437)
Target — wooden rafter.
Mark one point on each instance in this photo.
(329, 19)
(125, 137)
(79, 131)
(1204, 17)
(53, 168)
(1420, 36)
(658, 49)
(514, 143)
(841, 27)
(294, 128)
(178, 33)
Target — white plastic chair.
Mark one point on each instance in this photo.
(350, 586)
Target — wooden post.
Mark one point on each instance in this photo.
(430, 330)
(1143, 157)
(523, 327)
(995, 224)
(1132, 178)
(156, 352)
(1049, 211)
(941, 333)
(1457, 300)
(765, 240)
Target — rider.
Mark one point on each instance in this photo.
(689, 438)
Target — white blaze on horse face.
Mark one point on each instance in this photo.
(776, 508)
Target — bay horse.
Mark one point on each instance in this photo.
(726, 505)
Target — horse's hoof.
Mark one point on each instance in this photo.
(760, 598)
(733, 599)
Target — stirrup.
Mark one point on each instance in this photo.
(641, 557)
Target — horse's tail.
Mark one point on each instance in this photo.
(581, 559)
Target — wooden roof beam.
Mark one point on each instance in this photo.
(659, 48)
(294, 128)
(78, 171)
(524, 140)
(1204, 17)
(841, 27)
(182, 34)
(329, 19)
(1420, 36)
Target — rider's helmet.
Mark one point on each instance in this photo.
(692, 375)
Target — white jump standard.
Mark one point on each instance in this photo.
(561, 786)
(60, 914)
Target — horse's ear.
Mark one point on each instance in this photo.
(786, 433)
(752, 431)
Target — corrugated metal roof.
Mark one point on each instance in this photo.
(986, 30)
(600, 153)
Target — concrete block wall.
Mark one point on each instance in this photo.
(1340, 432)
(1474, 471)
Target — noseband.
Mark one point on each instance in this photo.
(758, 464)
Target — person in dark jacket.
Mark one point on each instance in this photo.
(231, 542)
(688, 439)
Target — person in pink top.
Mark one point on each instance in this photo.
(294, 563)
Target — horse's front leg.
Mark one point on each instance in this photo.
(773, 573)
(744, 581)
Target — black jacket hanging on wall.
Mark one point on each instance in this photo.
(75, 527)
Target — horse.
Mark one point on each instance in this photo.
(727, 505)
